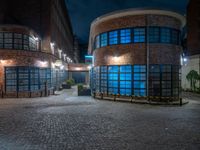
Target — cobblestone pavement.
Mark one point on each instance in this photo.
(69, 122)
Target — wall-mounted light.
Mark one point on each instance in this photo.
(52, 47)
(116, 58)
(62, 67)
(60, 53)
(89, 67)
(64, 55)
(43, 63)
(185, 59)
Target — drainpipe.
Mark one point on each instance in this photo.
(147, 58)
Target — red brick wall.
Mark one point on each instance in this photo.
(136, 53)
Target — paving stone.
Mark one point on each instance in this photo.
(69, 122)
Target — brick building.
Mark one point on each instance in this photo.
(137, 53)
(193, 27)
(36, 46)
(191, 60)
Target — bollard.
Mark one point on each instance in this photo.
(181, 101)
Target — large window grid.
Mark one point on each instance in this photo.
(139, 80)
(104, 79)
(165, 34)
(18, 41)
(113, 79)
(32, 78)
(125, 36)
(113, 37)
(8, 40)
(104, 39)
(154, 34)
(23, 79)
(166, 79)
(125, 80)
(11, 79)
(175, 37)
(176, 82)
(154, 80)
(138, 35)
(97, 81)
(1, 40)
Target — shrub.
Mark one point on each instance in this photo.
(80, 87)
(70, 82)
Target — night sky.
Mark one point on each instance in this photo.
(83, 12)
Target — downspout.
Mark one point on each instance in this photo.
(147, 57)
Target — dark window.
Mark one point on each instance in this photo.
(11, 79)
(26, 42)
(23, 78)
(104, 79)
(8, 40)
(175, 37)
(165, 35)
(154, 34)
(32, 44)
(1, 40)
(139, 35)
(17, 41)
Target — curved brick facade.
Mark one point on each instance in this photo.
(161, 57)
(134, 53)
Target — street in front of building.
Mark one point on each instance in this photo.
(66, 121)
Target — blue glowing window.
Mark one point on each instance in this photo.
(165, 35)
(125, 84)
(113, 90)
(139, 35)
(125, 68)
(125, 91)
(139, 76)
(139, 68)
(125, 36)
(112, 76)
(154, 35)
(139, 84)
(113, 37)
(124, 76)
(140, 92)
(113, 69)
(104, 39)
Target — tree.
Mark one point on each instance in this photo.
(193, 77)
